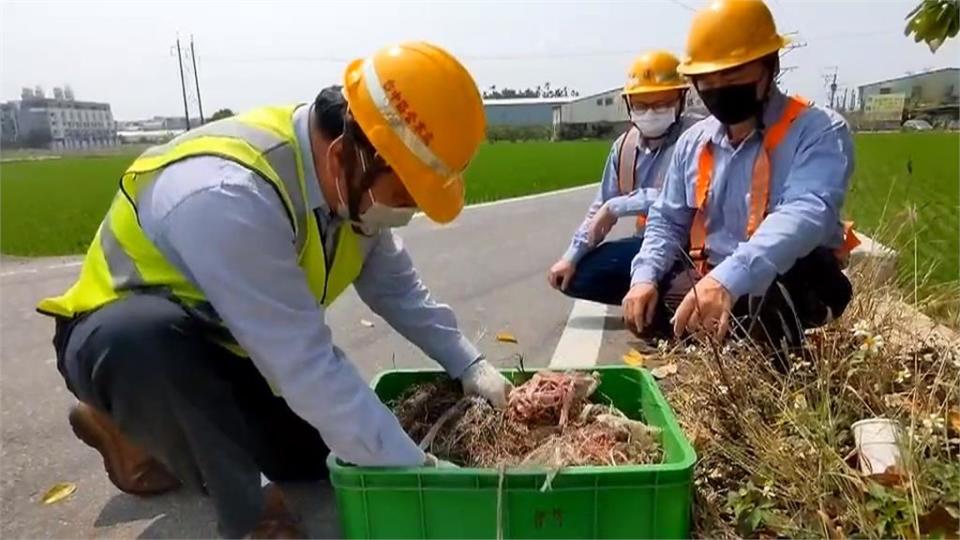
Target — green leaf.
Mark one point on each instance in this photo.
(877, 491)
(756, 517)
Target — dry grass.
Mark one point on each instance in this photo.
(776, 451)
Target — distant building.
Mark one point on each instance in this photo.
(933, 95)
(603, 108)
(608, 107)
(9, 132)
(61, 122)
(521, 111)
(158, 123)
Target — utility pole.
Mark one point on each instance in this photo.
(830, 78)
(196, 78)
(795, 43)
(183, 86)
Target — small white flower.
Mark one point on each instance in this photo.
(663, 346)
(691, 349)
(872, 344)
(723, 390)
(768, 490)
(903, 375)
(861, 329)
(800, 366)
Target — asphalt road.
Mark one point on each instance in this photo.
(490, 266)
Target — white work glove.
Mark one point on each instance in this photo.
(482, 379)
(431, 460)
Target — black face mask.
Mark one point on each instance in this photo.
(732, 104)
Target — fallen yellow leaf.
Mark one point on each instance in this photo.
(59, 492)
(664, 371)
(634, 358)
(953, 417)
(506, 337)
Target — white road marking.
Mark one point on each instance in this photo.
(25, 271)
(579, 345)
(71, 264)
(531, 197)
(518, 199)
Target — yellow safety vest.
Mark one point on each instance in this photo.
(121, 259)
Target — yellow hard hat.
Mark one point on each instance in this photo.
(730, 33)
(654, 71)
(422, 112)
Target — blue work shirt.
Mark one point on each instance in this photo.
(811, 169)
(227, 231)
(649, 170)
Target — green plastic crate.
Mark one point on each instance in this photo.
(648, 501)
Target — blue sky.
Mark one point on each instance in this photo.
(253, 52)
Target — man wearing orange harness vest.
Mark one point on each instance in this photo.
(654, 94)
(748, 225)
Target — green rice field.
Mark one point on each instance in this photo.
(905, 192)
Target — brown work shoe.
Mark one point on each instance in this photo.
(276, 521)
(129, 467)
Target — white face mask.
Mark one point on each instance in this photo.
(378, 216)
(381, 216)
(653, 123)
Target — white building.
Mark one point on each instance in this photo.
(604, 107)
(62, 122)
(607, 107)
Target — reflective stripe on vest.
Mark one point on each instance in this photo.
(627, 167)
(281, 157)
(121, 259)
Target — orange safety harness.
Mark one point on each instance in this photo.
(626, 168)
(759, 188)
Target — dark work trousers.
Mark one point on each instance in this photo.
(205, 413)
(811, 294)
(603, 274)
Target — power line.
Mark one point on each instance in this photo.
(196, 78)
(468, 58)
(797, 42)
(683, 5)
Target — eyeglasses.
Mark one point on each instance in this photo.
(656, 107)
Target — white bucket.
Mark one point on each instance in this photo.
(876, 444)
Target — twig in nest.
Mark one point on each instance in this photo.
(457, 409)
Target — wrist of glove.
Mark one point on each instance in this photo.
(433, 461)
(483, 380)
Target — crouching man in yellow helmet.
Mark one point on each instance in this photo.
(195, 336)
(749, 218)
(592, 269)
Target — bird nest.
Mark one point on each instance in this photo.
(549, 422)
